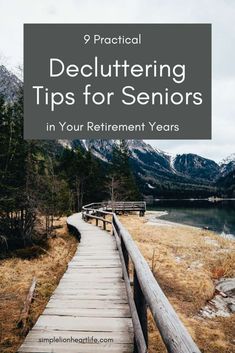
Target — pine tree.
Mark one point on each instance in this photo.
(17, 207)
(122, 183)
(84, 175)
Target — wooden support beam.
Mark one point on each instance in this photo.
(141, 307)
(22, 323)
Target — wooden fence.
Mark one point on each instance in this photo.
(146, 291)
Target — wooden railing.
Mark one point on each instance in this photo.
(146, 291)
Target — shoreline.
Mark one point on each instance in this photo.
(154, 219)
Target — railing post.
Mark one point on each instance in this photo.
(141, 307)
(104, 223)
(125, 255)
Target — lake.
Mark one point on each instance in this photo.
(217, 216)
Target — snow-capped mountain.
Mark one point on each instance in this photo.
(150, 158)
(151, 161)
(195, 166)
(157, 170)
(9, 84)
(227, 176)
(227, 165)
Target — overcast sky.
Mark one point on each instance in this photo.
(221, 13)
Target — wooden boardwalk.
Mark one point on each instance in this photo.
(89, 303)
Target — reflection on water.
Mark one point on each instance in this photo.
(217, 216)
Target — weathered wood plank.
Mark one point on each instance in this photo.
(69, 323)
(90, 296)
(92, 266)
(97, 290)
(106, 247)
(92, 285)
(108, 277)
(25, 311)
(78, 348)
(94, 260)
(98, 240)
(89, 304)
(95, 257)
(89, 264)
(83, 278)
(117, 337)
(85, 312)
(86, 271)
(98, 270)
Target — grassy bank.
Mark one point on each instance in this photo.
(186, 262)
(15, 279)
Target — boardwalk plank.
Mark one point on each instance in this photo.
(117, 337)
(70, 323)
(89, 304)
(95, 280)
(81, 348)
(89, 283)
(85, 312)
(106, 295)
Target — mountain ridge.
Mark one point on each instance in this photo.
(158, 172)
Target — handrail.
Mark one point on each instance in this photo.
(147, 291)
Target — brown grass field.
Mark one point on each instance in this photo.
(186, 261)
(16, 275)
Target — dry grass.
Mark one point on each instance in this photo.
(15, 279)
(185, 262)
(224, 266)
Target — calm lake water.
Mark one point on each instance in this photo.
(217, 216)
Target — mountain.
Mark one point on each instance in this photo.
(227, 165)
(197, 167)
(226, 180)
(9, 84)
(158, 173)
(226, 184)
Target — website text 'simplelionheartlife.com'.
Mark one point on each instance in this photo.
(71, 339)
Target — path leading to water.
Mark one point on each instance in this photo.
(90, 302)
